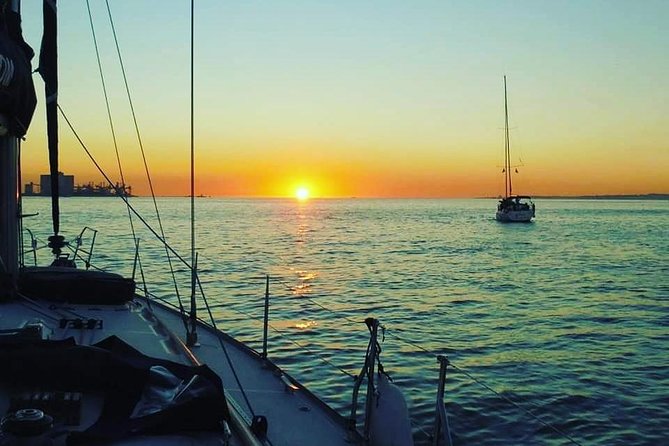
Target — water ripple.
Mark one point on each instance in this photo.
(566, 317)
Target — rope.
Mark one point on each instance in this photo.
(320, 357)
(52, 308)
(41, 309)
(414, 344)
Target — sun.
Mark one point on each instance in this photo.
(302, 193)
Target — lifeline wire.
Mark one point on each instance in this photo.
(486, 386)
(307, 349)
(464, 372)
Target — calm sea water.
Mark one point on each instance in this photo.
(568, 316)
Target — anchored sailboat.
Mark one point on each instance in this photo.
(512, 208)
(86, 359)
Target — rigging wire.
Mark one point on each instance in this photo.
(76, 255)
(192, 166)
(223, 347)
(283, 335)
(109, 115)
(168, 249)
(146, 168)
(122, 197)
(464, 372)
(141, 273)
(345, 372)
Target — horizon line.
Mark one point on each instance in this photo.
(655, 195)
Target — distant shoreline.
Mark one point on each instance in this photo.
(594, 197)
(541, 197)
(606, 197)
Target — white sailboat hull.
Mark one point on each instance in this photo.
(510, 216)
(512, 208)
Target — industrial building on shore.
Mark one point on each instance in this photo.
(67, 188)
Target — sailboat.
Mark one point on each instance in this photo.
(512, 208)
(86, 358)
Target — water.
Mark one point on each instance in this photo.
(567, 316)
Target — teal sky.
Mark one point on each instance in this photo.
(351, 95)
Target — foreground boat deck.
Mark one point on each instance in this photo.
(294, 415)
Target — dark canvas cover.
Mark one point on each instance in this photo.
(123, 374)
(17, 91)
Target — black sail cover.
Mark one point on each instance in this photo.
(17, 91)
(193, 398)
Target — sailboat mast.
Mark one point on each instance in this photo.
(508, 190)
(9, 205)
(9, 199)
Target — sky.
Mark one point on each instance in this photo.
(365, 98)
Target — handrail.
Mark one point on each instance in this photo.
(367, 370)
(33, 244)
(78, 241)
(442, 430)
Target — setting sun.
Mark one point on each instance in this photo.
(302, 193)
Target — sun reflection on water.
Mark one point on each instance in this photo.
(301, 289)
(306, 325)
(304, 278)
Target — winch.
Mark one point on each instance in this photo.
(26, 427)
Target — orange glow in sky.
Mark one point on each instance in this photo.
(329, 97)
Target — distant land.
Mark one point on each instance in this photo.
(609, 197)
(602, 197)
